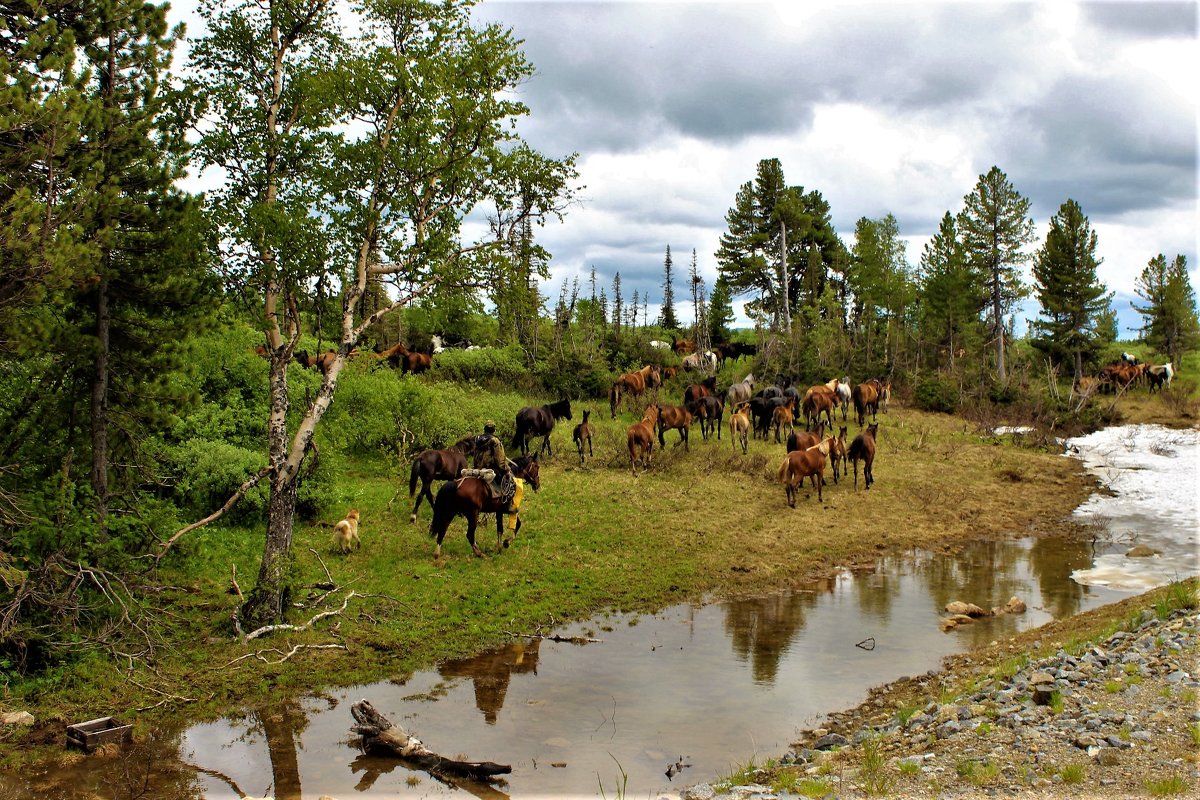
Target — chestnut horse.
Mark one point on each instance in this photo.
(863, 447)
(677, 417)
(802, 440)
(399, 356)
(704, 388)
(640, 439)
(801, 464)
(838, 454)
(470, 497)
(739, 427)
(866, 398)
(634, 384)
(781, 417)
(539, 422)
(444, 465)
(816, 403)
(581, 434)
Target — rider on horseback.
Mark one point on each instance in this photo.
(489, 454)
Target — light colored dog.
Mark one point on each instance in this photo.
(345, 533)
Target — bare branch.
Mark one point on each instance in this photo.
(241, 491)
(265, 629)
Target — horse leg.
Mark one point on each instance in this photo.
(589, 441)
(500, 543)
(868, 472)
(855, 474)
(423, 493)
(472, 522)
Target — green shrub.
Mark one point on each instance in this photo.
(207, 473)
(489, 367)
(575, 376)
(937, 392)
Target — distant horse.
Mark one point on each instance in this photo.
(640, 439)
(815, 404)
(783, 417)
(830, 387)
(700, 362)
(802, 440)
(470, 497)
(633, 384)
(437, 465)
(709, 410)
(801, 464)
(540, 421)
(739, 427)
(1160, 375)
(843, 395)
(399, 356)
(740, 392)
(863, 447)
(866, 398)
(838, 454)
(1130, 358)
(321, 361)
(581, 434)
(885, 395)
(677, 418)
(669, 373)
(660, 345)
(704, 388)
(682, 346)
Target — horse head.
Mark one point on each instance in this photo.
(529, 469)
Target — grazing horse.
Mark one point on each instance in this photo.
(843, 395)
(838, 454)
(1160, 375)
(781, 417)
(470, 497)
(581, 434)
(634, 384)
(700, 362)
(740, 392)
(866, 398)
(739, 427)
(863, 447)
(709, 410)
(674, 417)
(321, 361)
(801, 464)
(817, 403)
(439, 465)
(399, 356)
(682, 346)
(640, 439)
(539, 421)
(802, 440)
(704, 388)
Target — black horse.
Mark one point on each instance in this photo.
(470, 497)
(437, 465)
(539, 422)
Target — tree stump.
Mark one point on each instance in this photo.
(379, 735)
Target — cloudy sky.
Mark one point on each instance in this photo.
(884, 107)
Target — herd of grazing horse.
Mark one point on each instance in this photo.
(1127, 373)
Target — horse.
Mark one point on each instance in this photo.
(740, 392)
(660, 345)
(843, 395)
(866, 397)
(321, 361)
(438, 344)
(780, 417)
(539, 422)
(704, 388)
(470, 497)
(709, 411)
(1130, 359)
(830, 387)
(700, 362)
(739, 427)
(815, 404)
(762, 411)
(399, 356)
(802, 440)
(640, 439)
(634, 384)
(1159, 376)
(885, 395)
(677, 417)
(581, 434)
(669, 373)
(863, 447)
(441, 465)
(838, 453)
(682, 346)
(801, 464)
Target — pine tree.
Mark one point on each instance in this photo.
(617, 302)
(1069, 289)
(720, 312)
(994, 227)
(951, 293)
(1169, 316)
(666, 319)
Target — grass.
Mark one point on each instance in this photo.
(977, 773)
(1057, 704)
(875, 780)
(1165, 787)
(909, 768)
(814, 787)
(1073, 774)
(1194, 732)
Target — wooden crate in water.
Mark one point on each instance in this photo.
(87, 736)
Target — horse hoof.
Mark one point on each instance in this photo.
(412, 518)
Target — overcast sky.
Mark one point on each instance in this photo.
(883, 107)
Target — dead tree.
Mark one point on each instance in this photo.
(379, 735)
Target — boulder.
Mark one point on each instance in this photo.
(1142, 551)
(956, 607)
(16, 718)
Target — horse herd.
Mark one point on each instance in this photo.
(1123, 375)
(771, 410)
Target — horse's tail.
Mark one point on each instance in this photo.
(785, 470)
(412, 478)
(443, 510)
(614, 398)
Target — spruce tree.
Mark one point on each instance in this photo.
(1169, 316)
(950, 293)
(666, 319)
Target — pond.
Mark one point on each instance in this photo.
(711, 686)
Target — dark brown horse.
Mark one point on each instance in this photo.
(640, 440)
(677, 417)
(400, 357)
(802, 440)
(470, 497)
(582, 434)
(704, 388)
(539, 421)
(863, 447)
(710, 411)
(633, 384)
(437, 465)
(801, 464)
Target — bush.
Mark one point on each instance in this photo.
(502, 368)
(575, 377)
(937, 392)
(207, 473)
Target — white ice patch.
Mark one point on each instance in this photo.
(1154, 473)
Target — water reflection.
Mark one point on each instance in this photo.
(490, 673)
(761, 630)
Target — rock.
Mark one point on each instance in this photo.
(1043, 693)
(701, 791)
(957, 607)
(1177, 676)
(1015, 605)
(1108, 757)
(1142, 551)
(948, 729)
(748, 790)
(16, 718)
(1142, 736)
(830, 740)
(1084, 741)
(1039, 677)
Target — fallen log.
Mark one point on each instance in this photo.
(380, 735)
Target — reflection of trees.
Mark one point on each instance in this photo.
(1052, 561)
(281, 725)
(490, 673)
(875, 590)
(762, 628)
(984, 573)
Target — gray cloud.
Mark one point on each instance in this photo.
(1142, 19)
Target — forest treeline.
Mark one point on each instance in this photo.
(148, 335)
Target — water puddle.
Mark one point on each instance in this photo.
(710, 686)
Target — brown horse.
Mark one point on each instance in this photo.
(321, 361)
(801, 464)
(866, 398)
(674, 417)
(669, 373)
(709, 411)
(783, 417)
(682, 347)
(739, 427)
(863, 447)
(817, 403)
(470, 497)
(838, 453)
(633, 384)
(437, 465)
(539, 421)
(802, 440)
(398, 356)
(581, 434)
(704, 388)
(640, 439)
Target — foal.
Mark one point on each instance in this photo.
(581, 434)
(801, 464)
(783, 417)
(739, 427)
(640, 439)
(863, 447)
